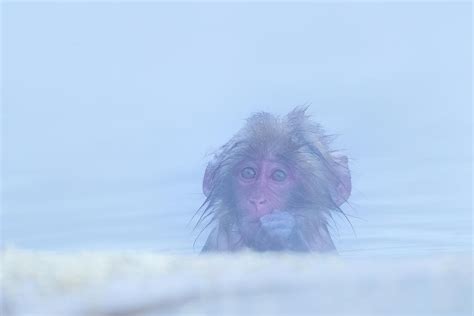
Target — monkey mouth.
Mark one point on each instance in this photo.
(253, 216)
(250, 219)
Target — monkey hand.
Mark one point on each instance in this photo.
(278, 225)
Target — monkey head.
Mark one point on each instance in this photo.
(274, 185)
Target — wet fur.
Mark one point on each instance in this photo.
(323, 182)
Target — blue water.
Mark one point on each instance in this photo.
(110, 112)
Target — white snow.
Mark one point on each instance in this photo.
(147, 283)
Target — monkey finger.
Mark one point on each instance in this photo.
(278, 226)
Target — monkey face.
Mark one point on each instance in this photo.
(261, 187)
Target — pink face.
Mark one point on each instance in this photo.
(262, 187)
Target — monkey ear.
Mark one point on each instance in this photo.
(207, 180)
(343, 185)
(213, 166)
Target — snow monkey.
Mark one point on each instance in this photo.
(274, 186)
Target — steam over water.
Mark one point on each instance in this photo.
(110, 112)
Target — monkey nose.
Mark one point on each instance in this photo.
(258, 201)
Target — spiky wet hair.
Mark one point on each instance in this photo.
(297, 141)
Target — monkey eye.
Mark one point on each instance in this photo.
(279, 175)
(248, 173)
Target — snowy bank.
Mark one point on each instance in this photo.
(146, 283)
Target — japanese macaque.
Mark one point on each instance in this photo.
(274, 186)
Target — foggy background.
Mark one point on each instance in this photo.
(110, 113)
